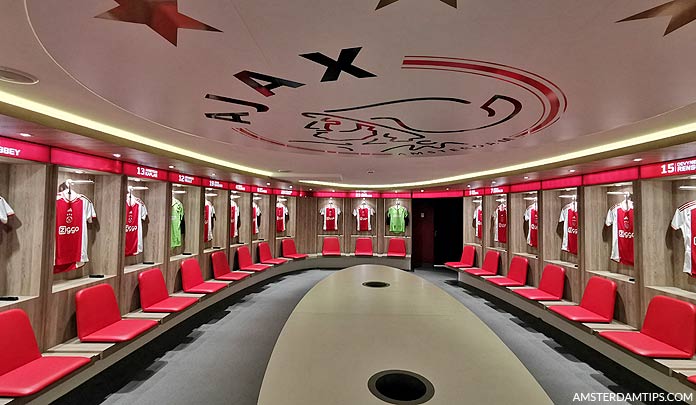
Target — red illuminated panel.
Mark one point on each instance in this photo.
(130, 169)
(396, 195)
(612, 176)
(673, 168)
(520, 188)
(24, 150)
(498, 190)
(439, 194)
(240, 187)
(365, 194)
(287, 193)
(262, 190)
(574, 181)
(326, 194)
(215, 184)
(184, 179)
(83, 161)
(474, 192)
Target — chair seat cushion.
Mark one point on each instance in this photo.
(537, 295)
(393, 254)
(479, 272)
(171, 304)
(233, 276)
(206, 288)
(275, 261)
(363, 253)
(256, 267)
(296, 256)
(120, 331)
(458, 265)
(578, 314)
(505, 282)
(644, 345)
(38, 374)
(692, 379)
(330, 253)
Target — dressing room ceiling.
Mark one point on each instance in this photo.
(360, 92)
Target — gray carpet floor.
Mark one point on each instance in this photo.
(221, 358)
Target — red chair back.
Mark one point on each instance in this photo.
(599, 297)
(553, 280)
(244, 257)
(518, 269)
(671, 321)
(288, 247)
(95, 308)
(468, 256)
(491, 262)
(363, 246)
(191, 274)
(152, 287)
(17, 341)
(264, 252)
(397, 247)
(220, 264)
(331, 246)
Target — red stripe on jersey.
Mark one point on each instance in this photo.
(132, 214)
(68, 233)
(625, 225)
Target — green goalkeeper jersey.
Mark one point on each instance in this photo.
(397, 219)
(177, 219)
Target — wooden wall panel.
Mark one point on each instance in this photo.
(306, 225)
(24, 188)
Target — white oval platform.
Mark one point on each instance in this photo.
(341, 333)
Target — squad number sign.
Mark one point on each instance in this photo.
(673, 168)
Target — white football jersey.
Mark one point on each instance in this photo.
(569, 217)
(685, 220)
(5, 211)
(330, 214)
(620, 218)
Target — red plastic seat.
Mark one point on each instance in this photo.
(192, 279)
(221, 270)
(491, 263)
(517, 275)
(669, 331)
(550, 286)
(331, 246)
(23, 371)
(154, 296)
(363, 247)
(692, 379)
(266, 257)
(289, 250)
(597, 304)
(396, 247)
(245, 263)
(467, 260)
(99, 320)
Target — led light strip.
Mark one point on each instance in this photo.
(133, 137)
(120, 133)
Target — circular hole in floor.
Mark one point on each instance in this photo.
(376, 284)
(401, 387)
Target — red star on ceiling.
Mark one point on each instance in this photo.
(681, 12)
(161, 15)
(384, 3)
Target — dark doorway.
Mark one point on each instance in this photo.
(437, 231)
